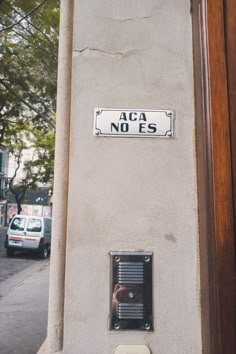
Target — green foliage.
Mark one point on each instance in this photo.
(42, 164)
(38, 169)
(28, 76)
(28, 60)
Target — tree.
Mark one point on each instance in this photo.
(38, 169)
(28, 61)
(28, 76)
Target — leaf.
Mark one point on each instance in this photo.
(28, 78)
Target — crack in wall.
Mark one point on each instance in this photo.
(88, 50)
(132, 19)
(118, 55)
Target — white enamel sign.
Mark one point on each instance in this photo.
(132, 122)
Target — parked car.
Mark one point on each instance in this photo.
(29, 233)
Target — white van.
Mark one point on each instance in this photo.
(29, 233)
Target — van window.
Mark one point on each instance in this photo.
(34, 225)
(47, 224)
(18, 224)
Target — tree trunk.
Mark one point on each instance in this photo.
(19, 208)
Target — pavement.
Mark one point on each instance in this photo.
(23, 309)
(10, 266)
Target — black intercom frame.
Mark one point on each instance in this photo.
(146, 323)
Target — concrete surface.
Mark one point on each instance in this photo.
(23, 310)
(61, 175)
(128, 194)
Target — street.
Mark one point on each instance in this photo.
(23, 301)
(11, 266)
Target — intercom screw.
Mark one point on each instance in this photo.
(116, 325)
(131, 295)
(96, 132)
(147, 258)
(117, 258)
(169, 134)
(147, 326)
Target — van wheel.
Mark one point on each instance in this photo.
(10, 253)
(44, 252)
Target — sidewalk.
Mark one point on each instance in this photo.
(23, 310)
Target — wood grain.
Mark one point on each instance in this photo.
(222, 183)
(213, 111)
(230, 40)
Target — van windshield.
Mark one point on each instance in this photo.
(18, 224)
(34, 225)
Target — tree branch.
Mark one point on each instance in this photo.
(23, 18)
(45, 118)
(15, 173)
(33, 25)
(28, 30)
(32, 43)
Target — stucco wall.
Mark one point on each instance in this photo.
(132, 193)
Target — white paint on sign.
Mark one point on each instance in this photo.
(138, 123)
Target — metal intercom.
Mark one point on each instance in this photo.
(131, 291)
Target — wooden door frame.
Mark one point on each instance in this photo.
(216, 226)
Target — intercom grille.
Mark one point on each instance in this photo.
(130, 311)
(131, 273)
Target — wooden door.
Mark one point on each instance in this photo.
(214, 33)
